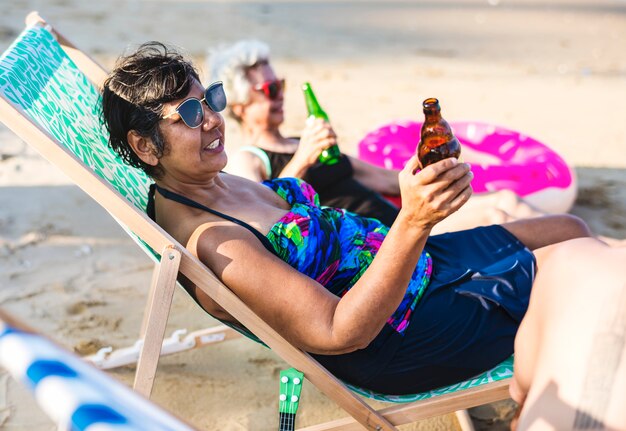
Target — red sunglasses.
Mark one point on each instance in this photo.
(271, 89)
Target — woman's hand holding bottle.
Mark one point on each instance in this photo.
(435, 192)
(316, 136)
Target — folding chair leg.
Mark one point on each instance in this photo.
(465, 421)
(154, 280)
(155, 319)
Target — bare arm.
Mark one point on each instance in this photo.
(381, 180)
(303, 310)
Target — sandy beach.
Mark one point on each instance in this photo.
(554, 70)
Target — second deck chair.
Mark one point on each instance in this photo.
(47, 101)
(75, 395)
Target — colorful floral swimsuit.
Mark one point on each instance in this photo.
(459, 314)
(334, 246)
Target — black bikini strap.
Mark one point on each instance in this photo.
(190, 202)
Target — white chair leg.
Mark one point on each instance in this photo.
(465, 421)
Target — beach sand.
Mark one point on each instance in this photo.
(556, 72)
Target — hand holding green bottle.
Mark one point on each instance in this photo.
(330, 155)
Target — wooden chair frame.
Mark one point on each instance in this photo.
(176, 260)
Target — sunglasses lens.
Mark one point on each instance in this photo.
(273, 88)
(191, 112)
(215, 97)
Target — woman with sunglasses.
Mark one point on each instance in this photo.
(390, 309)
(255, 101)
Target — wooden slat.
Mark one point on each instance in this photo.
(158, 310)
(146, 314)
(401, 414)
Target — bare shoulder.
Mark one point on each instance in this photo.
(248, 165)
(245, 156)
(214, 241)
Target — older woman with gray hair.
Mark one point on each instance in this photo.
(255, 96)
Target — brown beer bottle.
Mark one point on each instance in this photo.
(437, 141)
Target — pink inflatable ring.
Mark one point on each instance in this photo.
(500, 159)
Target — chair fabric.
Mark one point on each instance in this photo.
(37, 75)
(60, 98)
(501, 371)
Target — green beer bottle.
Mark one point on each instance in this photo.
(330, 155)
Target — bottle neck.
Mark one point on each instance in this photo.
(311, 102)
(432, 115)
(313, 108)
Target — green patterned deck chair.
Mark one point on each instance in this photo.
(47, 101)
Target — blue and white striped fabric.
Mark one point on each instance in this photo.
(76, 395)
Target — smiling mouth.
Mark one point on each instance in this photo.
(213, 145)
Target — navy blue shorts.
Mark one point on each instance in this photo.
(463, 325)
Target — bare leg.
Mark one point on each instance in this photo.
(487, 209)
(532, 227)
(570, 350)
(612, 242)
(513, 205)
(543, 231)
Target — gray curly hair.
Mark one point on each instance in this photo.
(229, 64)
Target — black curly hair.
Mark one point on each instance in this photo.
(134, 93)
